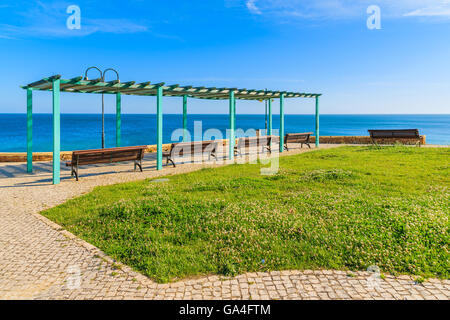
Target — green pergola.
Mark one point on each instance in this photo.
(79, 85)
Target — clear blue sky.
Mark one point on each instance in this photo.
(319, 46)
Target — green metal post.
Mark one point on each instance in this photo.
(281, 122)
(232, 124)
(234, 111)
(269, 125)
(118, 119)
(159, 128)
(56, 131)
(317, 122)
(29, 131)
(185, 98)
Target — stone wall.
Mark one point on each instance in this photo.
(37, 156)
(66, 155)
(364, 140)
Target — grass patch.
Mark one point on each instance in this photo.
(343, 208)
(327, 175)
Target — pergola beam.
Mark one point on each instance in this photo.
(147, 89)
(71, 83)
(44, 81)
(112, 86)
(192, 93)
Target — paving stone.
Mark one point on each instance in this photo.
(39, 260)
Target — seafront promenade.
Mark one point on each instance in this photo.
(40, 260)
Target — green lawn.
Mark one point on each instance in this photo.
(343, 208)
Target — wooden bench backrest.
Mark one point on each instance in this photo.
(195, 147)
(259, 141)
(297, 137)
(108, 155)
(401, 133)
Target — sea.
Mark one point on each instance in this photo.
(83, 131)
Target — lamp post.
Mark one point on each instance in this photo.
(102, 78)
(265, 114)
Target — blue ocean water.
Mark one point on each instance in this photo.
(83, 131)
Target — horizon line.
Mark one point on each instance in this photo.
(247, 114)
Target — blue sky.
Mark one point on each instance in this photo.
(319, 46)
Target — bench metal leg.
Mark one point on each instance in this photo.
(212, 154)
(138, 164)
(76, 172)
(173, 162)
(268, 148)
(168, 159)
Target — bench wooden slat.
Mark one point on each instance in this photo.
(106, 160)
(110, 155)
(108, 150)
(395, 134)
(301, 138)
(106, 154)
(191, 148)
(265, 142)
(103, 161)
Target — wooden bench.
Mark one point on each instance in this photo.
(412, 134)
(302, 138)
(190, 148)
(265, 142)
(110, 155)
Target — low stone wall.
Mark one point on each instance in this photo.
(37, 156)
(66, 155)
(364, 140)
